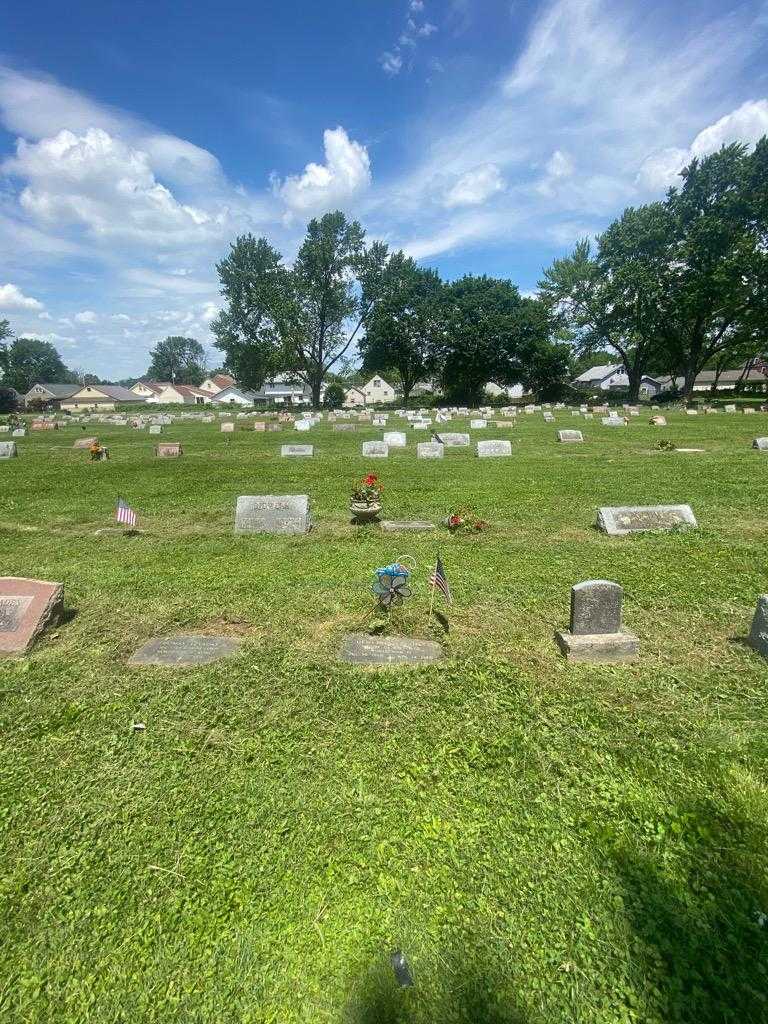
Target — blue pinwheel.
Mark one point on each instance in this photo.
(391, 585)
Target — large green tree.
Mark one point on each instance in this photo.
(492, 335)
(609, 299)
(406, 327)
(305, 318)
(178, 359)
(27, 361)
(715, 296)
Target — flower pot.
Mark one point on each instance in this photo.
(365, 511)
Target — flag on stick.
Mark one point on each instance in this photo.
(125, 513)
(439, 579)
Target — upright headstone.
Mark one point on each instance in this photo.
(344, 426)
(227, 428)
(452, 440)
(493, 449)
(761, 443)
(620, 520)
(613, 421)
(570, 436)
(758, 634)
(169, 450)
(595, 632)
(26, 607)
(395, 439)
(155, 428)
(477, 424)
(272, 513)
(375, 449)
(658, 421)
(429, 450)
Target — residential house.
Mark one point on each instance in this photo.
(218, 382)
(186, 394)
(235, 395)
(614, 378)
(726, 381)
(354, 398)
(104, 397)
(50, 395)
(286, 389)
(150, 389)
(377, 391)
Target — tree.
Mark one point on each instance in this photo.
(491, 335)
(334, 396)
(715, 299)
(407, 324)
(609, 300)
(304, 319)
(178, 359)
(8, 400)
(28, 360)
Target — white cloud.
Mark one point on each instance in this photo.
(747, 124)
(120, 317)
(86, 317)
(346, 171)
(13, 299)
(391, 62)
(474, 187)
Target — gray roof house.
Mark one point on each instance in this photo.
(50, 394)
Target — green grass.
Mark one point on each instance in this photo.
(546, 842)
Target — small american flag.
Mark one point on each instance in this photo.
(439, 579)
(125, 513)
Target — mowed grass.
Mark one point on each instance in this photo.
(545, 842)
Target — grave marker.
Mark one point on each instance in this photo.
(595, 632)
(26, 608)
(570, 436)
(272, 513)
(375, 449)
(302, 450)
(451, 440)
(758, 634)
(364, 649)
(429, 450)
(183, 651)
(493, 449)
(8, 450)
(170, 450)
(622, 520)
(395, 439)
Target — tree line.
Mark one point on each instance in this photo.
(669, 288)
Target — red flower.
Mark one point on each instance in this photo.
(370, 479)
(455, 520)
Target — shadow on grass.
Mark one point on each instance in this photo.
(701, 954)
(461, 995)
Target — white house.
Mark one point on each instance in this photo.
(377, 390)
(182, 394)
(235, 395)
(50, 395)
(100, 396)
(354, 398)
(150, 389)
(614, 378)
(286, 389)
(218, 382)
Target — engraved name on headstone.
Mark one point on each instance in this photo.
(272, 513)
(429, 450)
(375, 449)
(493, 449)
(570, 436)
(620, 520)
(304, 450)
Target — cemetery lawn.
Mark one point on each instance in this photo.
(545, 842)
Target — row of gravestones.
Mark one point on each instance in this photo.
(595, 632)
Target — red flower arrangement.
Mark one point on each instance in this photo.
(465, 521)
(368, 490)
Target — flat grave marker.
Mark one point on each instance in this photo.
(183, 651)
(300, 450)
(621, 520)
(494, 449)
(364, 649)
(272, 513)
(169, 450)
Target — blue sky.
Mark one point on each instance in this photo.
(137, 140)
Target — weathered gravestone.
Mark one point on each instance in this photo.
(302, 425)
(749, 411)
(395, 439)
(170, 450)
(451, 440)
(595, 632)
(658, 421)
(271, 427)
(493, 449)
(344, 426)
(363, 649)
(85, 442)
(7, 450)
(477, 424)
(183, 651)
(260, 426)
(155, 428)
(227, 428)
(570, 436)
(26, 608)
(758, 634)
(761, 443)
(621, 520)
(375, 449)
(272, 513)
(429, 450)
(613, 421)
(588, 415)
(302, 450)
(729, 408)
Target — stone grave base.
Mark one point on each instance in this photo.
(395, 525)
(364, 649)
(183, 651)
(26, 608)
(598, 646)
